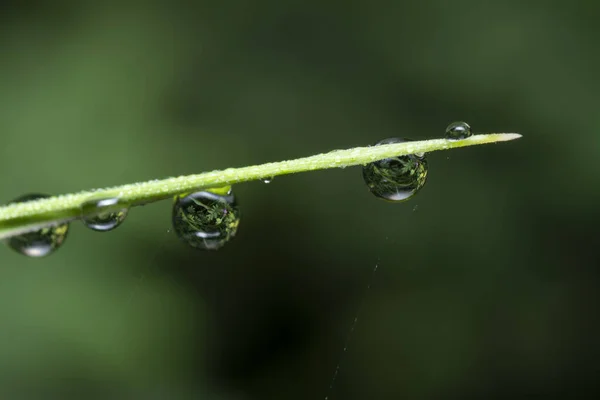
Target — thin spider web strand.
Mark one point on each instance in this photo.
(350, 332)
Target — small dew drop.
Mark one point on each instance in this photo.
(397, 178)
(42, 242)
(103, 215)
(267, 180)
(458, 130)
(206, 220)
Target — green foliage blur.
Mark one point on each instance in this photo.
(487, 281)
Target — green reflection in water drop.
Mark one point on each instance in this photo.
(206, 220)
(103, 215)
(41, 242)
(397, 178)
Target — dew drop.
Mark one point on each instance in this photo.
(267, 180)
(396, 178)
(103, 215)
(42, 242)
(206, 220)
(458, 130)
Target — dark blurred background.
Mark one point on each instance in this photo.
(487, 281)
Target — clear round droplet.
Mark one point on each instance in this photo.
(103, 215)
(41, 242)
(397, 178)
(267, 180)
(206, 220)
(458, 130)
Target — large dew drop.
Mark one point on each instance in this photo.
(396, 178)
(103, 214)
(458, 130)
(42, 242)
(206, 220)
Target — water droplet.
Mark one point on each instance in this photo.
(103, 214)
(458, 130)
(268, 180)
(396, 178)
(42, 242)
(206, 220)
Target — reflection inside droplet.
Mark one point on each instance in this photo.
(42, 242)
(206, 220)
(396, 178)
(103, 214)
(458, 130)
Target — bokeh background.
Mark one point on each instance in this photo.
(487, 281)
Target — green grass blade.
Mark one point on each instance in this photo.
(19, 218)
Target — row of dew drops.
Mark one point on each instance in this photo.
(209, 219)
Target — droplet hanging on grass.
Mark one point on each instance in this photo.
(458, 130)
(206, 220)
(103, 215)
(396, 178)
(42, 242)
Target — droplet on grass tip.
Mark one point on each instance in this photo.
(458, 130)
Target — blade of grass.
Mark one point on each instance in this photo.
(19, 218)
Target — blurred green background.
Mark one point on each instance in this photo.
(487, 281)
